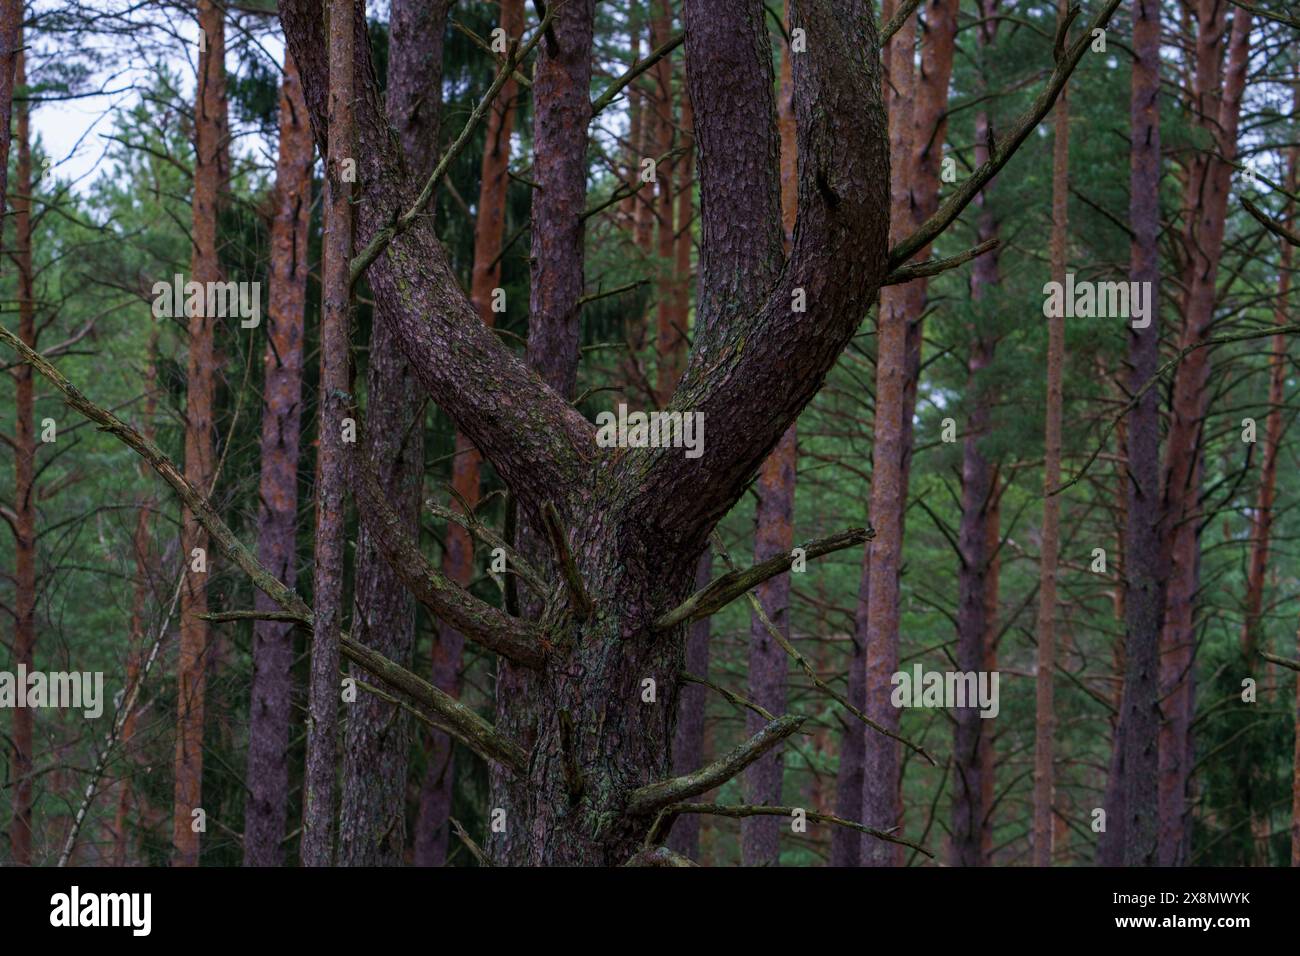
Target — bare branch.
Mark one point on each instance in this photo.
(721, 591)
(579, 603)
(1269, 223)
(617, 87)
(656, 796)
(897, 20)
(932, 267)
(722, 810)
(1280, 661)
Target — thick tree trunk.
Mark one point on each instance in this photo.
(1218, 112)
(688, 741)
(210, 132)
(1045, 708)
(271, 708)
(24, 500)
(432, 833)
(372, 815)
(327, 590)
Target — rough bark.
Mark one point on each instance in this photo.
(210, 133)
(688, 739)
(1217, 110)
(638, 514)
(432, 834)
(24, 501)
(1045, 708)
(317, 848)
(11, 42)
(1131, 795)
(270, 710)
(670, 340)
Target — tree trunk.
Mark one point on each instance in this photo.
(11, 43)
(271, 708)
(1206, 204)
(372, 817)
(432, 833)
(1045, 720)
(24, 505)
(773, 534)
(881, 806)
(327, 590)
(210, 133)
(688, 741)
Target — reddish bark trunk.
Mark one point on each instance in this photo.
(24, 501)
(270, 710)
(210, 127)
(1218, 106)
(11, 42)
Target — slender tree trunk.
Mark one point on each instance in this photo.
(11, 42)
(988, 765)
(432, 833)
(327, 590)
(1218, 105)
(210, 131)
(881, 806)
(1131, 797)
(773, 534)
(271, 708)
(24, 504)
(1045, 721)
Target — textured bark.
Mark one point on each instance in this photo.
(1131, 795)
(670, 339)
(372, 813)
(24, 500)
(11, 42)
(688, 739)
(432, 834)
(1045, 707)
(210, 133)
(317, 848)
(636, 523)
(270, 710)
(562, 105)
(881, 807)
(1218, 106)
(773, 535)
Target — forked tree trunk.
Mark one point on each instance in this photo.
(210, 131)
(270, 711)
